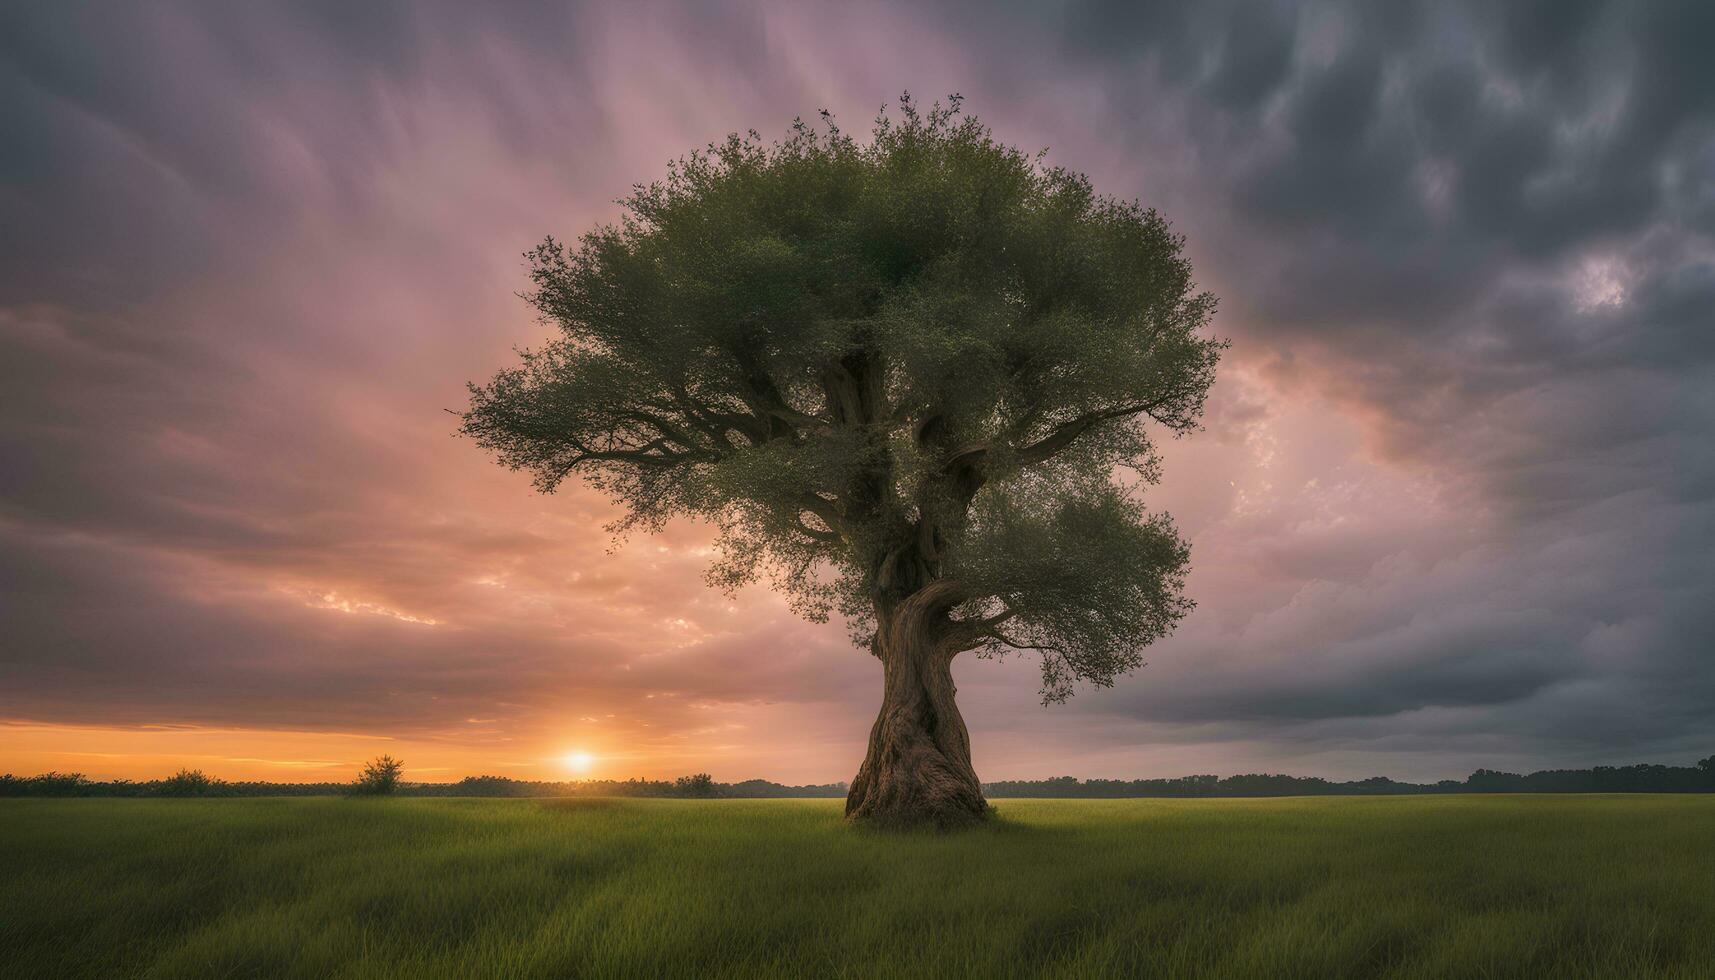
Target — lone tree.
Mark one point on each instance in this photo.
(379, 777)
(903, 378)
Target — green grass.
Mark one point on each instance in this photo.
(1464, 886)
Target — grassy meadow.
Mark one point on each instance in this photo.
(1456, 886)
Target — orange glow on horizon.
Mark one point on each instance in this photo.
(146, 752)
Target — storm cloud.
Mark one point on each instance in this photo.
(1453, 506)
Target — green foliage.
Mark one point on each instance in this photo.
(379, 777)
(1513, 888)
(876, 366)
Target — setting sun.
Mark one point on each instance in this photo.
(578, 761)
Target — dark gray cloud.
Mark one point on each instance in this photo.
(1455, 504)
(1483, 227)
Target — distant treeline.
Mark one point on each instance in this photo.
(195, 783)
(1602, 779)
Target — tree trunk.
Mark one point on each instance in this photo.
(918, 770)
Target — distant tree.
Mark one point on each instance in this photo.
(188, 782)
(379, 777)
(900, 378)
(701, 784)
(1707, 764)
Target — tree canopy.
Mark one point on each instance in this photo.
(922, 365)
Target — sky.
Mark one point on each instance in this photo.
(1453, 505)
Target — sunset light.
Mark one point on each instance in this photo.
(684, 488)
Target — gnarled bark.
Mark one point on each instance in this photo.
(918, 769)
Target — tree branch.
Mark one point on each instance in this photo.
(1008, 641)
(968, 633)
(1055, 442)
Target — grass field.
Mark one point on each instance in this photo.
(1465, 886)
